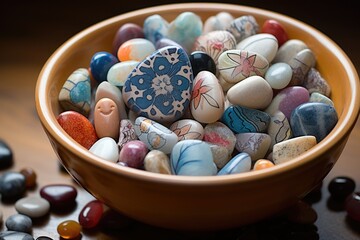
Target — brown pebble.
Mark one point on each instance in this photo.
(30, 177)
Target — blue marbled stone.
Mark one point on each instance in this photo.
(192, 158)
(12, 185)
(316, 119)
(159, 88)
(238, 164)
(19, 223)
(241, 120)
(155, 28)
(13, 235)
(100, 64)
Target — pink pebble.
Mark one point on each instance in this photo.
(78, 127)
(133, 153)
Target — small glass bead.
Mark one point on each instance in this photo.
(30, 177)
(352, 206)
(341, 187)
(91, 214)
(69, 229)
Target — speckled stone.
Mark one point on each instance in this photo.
(12, 185)
(19, 223)
(241, 119)
(220, 21)
(218, 133)
(32, 206)
(160, 86)
(14, 235)
(318, 97)
(243, 27)
(192, 158)
(220, 154)
(187, 129)
(314, 82)
(6, 155)
(158, 162)
(279, 128)
(76, 92)
(316, 119)
(238, 164)
(106, 148)
(289, 149)
(254, 144)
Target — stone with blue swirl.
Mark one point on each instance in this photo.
(238, 164)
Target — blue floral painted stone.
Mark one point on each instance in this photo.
(159, 88)
(241, 119)
(100, 64)
(316, 119)
(238, 164)
(192, 158)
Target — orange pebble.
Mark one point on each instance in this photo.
(262, 164)
(30, 177)
(69, 229)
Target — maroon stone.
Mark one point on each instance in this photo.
(91, 214)
(126, 32)
(352, 206)
(59, 195)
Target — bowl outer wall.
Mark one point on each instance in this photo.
(197, 203)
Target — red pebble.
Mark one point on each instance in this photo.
(91, 214)
(78, 127)
(275, 28)
(352, 206)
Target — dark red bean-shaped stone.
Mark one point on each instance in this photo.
(275, 28)
(352, 206)
(126, 32)
(12, 185)
(90, 214)
(59, 195)
(341, 187)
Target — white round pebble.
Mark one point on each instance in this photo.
(278, 75)
(106, 148)
(32, 206)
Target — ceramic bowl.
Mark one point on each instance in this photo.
(198, 203)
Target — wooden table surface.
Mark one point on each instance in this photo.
(30, 32)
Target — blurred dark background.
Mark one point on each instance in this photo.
(31, 30)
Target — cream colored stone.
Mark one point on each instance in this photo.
(158, 162)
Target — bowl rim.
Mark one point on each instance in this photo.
(49, 123)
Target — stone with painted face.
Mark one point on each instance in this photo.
(106, 118)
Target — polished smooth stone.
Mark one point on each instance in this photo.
(108, 90)
(207, 102)
(136, 49)
(279, 75)
(275, 28)
(192, 158)
(185, 29)
(238, 164)
(287, 100)
(314, 82)
(262, 164)
(254, 144)
(241, 119)
(302, 62)
(341, 187)
(243, 27)
(126, 32)
(187, 129)
(59, 195)
(79, 128)
(90, 214)
(155, 135)
(32, 206)
(318, 97)
(14, 235)
(160, 87)
(252, 92)
(316, 119)
(19, 223)
(215, 43)
(221, 155)
(30, 177)
(218, 133)
(100, 64)
(133, 153)
(289, 50)
(75, 94)
(279, 128)
(106, 148)
(126, 132)
(220, 21)
(263, 44)
(201, 61)
(119, 72)
(106, 118)
(352, 206)
(12, 185)
(69, 229)
(289, 149)
(236, 65)
(155, 28)
(158, 162)
(6, 155)
(166, 42)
